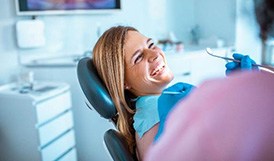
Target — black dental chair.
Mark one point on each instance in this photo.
(98, 96)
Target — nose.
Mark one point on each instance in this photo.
(151, 54)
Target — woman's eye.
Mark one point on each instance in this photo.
(151, 46)
(138, 58)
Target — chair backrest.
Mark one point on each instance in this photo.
(94, 89)
(98, 96)
(117, 146)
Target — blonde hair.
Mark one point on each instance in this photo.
(108, 58)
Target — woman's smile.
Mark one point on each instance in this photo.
(158, 70)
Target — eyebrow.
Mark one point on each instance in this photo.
(137, 51)
(149, 39)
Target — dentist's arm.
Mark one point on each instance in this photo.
(167, 101)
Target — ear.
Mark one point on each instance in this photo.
(126, 86)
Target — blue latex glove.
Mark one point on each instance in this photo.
(246, 64)
(167, 101)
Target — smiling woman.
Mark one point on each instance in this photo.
(134, 71)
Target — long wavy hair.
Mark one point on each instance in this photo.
(108, 58)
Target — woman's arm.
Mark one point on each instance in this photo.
(144, 143)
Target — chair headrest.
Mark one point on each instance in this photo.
(94, 89)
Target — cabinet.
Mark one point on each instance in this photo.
(37, 125)
(88, 124)
(194, 67)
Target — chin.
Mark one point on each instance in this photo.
(170, 77)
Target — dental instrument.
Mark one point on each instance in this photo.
(172, 92)
(210, 52)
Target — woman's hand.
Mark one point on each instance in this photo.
(245, 64)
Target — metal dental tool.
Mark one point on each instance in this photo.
(265, 67)
(171, 92)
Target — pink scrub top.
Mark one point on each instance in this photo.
(228, 119)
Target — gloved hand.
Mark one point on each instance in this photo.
(246, 64)
(167, 101)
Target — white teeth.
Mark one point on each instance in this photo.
(156, 70)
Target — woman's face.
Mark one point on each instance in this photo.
(146, 70)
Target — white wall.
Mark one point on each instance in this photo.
(181, 18)
(216, 18)
(8, 50)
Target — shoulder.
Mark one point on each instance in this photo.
(143, 143)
